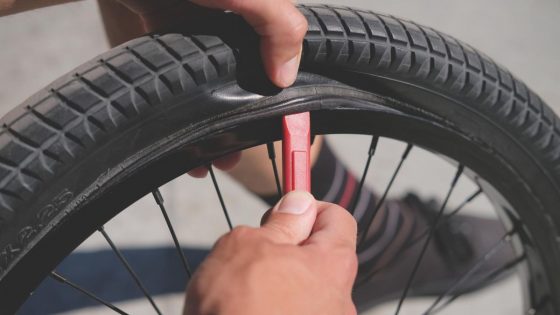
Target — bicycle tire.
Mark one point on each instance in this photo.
(63, 148)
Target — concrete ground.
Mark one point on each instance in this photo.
(37, 47)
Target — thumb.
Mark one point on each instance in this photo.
(292, 218)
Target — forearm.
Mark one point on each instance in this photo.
(8, 7)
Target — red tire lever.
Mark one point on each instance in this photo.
(296, 152)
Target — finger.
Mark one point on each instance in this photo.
(227, 162)
(281, 46)
(282, 29)
(224, 163)
(292, 219)
(334, 226)
(199, 172)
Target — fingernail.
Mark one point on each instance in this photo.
(288, 71)
(295, 202)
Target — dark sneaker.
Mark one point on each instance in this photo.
(459, 243)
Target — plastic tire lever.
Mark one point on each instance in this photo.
(296, 152)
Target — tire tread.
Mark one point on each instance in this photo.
(60, 123)
(406, 51)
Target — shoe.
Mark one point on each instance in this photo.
(457, 245)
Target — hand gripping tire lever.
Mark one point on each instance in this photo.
(296, 152)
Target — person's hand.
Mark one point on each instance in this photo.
(278, 22)
(301, 261)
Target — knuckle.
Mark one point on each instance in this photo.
(295, 30)
(352, 261)
(221, 242)
(241, 233)
(349, 223)
(299, 26)
(344, 218)
(347, 217)
(349, 263)
(345, 263)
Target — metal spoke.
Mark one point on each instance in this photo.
(371, 153)
(129, 269)
(484, 282)
(226, 214)
(464, 203)
(446, 217)
(418, 238)
(54, 275)
(385, 193)
(272, 157)
(428, 239)
(159, 200)
(504, 240)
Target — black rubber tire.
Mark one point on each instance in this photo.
(77, 139)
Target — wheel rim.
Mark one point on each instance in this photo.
(166, 161)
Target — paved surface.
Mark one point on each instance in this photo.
(37, 47)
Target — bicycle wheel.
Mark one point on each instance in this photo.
(83, 149)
